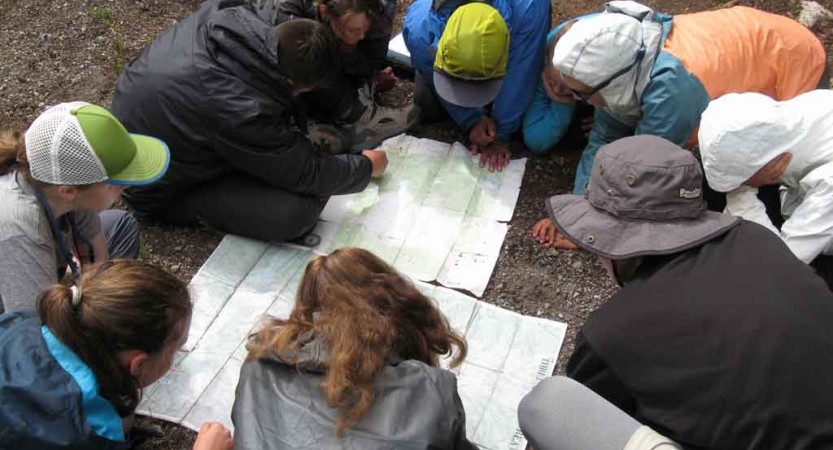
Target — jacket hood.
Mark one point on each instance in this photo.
(596, 48)
(243, 43)
(313, 355)
(740, 133)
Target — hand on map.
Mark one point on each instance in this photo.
(772, 172)
(379, 161)
(214, 436)
(495, 156)
(545, 232)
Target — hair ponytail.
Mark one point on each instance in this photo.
(122, 305)
(12, 151)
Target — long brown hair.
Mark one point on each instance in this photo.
(365, 312)
(124, 305)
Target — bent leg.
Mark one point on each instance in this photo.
(562, 414)
(121, 232)
(248, 207)
(545, 122)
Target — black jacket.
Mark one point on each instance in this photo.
(724, 346)
(210, 87)
(368, 56)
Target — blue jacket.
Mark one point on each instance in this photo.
(547, 121)
(528, 22)
(670, 106)
(48, 396)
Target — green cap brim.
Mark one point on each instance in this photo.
(149, 164)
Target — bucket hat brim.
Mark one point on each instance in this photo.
(468, 94)
(148, 165)
(614, 238)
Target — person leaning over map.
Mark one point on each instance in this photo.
(219, 87)
(74, 370)
(479, 61)
(750, 140)
(649, 73)
(719, 335)
(57, 183)
(356, 366)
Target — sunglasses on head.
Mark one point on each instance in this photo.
(585, 96)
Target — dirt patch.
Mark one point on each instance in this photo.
(74, 50)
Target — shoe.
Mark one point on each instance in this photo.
(306, 240)
(378, 123)
(328, 139)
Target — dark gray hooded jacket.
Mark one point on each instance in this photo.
(210, 87)
(279, 406)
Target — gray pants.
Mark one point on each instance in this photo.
(121, 232)
(562, 414)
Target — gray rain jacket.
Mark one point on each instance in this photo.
(279, 406)
(210, 87)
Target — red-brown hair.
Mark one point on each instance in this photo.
(365, 312)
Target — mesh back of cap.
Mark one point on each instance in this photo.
(57, 150)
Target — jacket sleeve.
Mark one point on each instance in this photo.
(589, 368)
(523, 71)
(605, 130)
(420, 31)
(809, 230)
(673, 102)
(744, 202)
(367, 58)
(261, 145)
(27, 268)
(546, 121)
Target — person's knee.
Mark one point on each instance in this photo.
(291, 221)
(538, 141)
(546, 399)
(121, 231)
(542, 130)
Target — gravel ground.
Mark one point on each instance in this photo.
(59, 51)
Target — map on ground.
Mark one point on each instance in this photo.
(434, 215)
(244, 280)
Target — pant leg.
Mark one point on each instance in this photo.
(242, 205)
(430, 107)
(562, 414)
(121, 232)
(545, 122)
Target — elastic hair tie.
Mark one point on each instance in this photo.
(76, 295)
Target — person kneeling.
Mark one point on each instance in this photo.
(355, 366)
